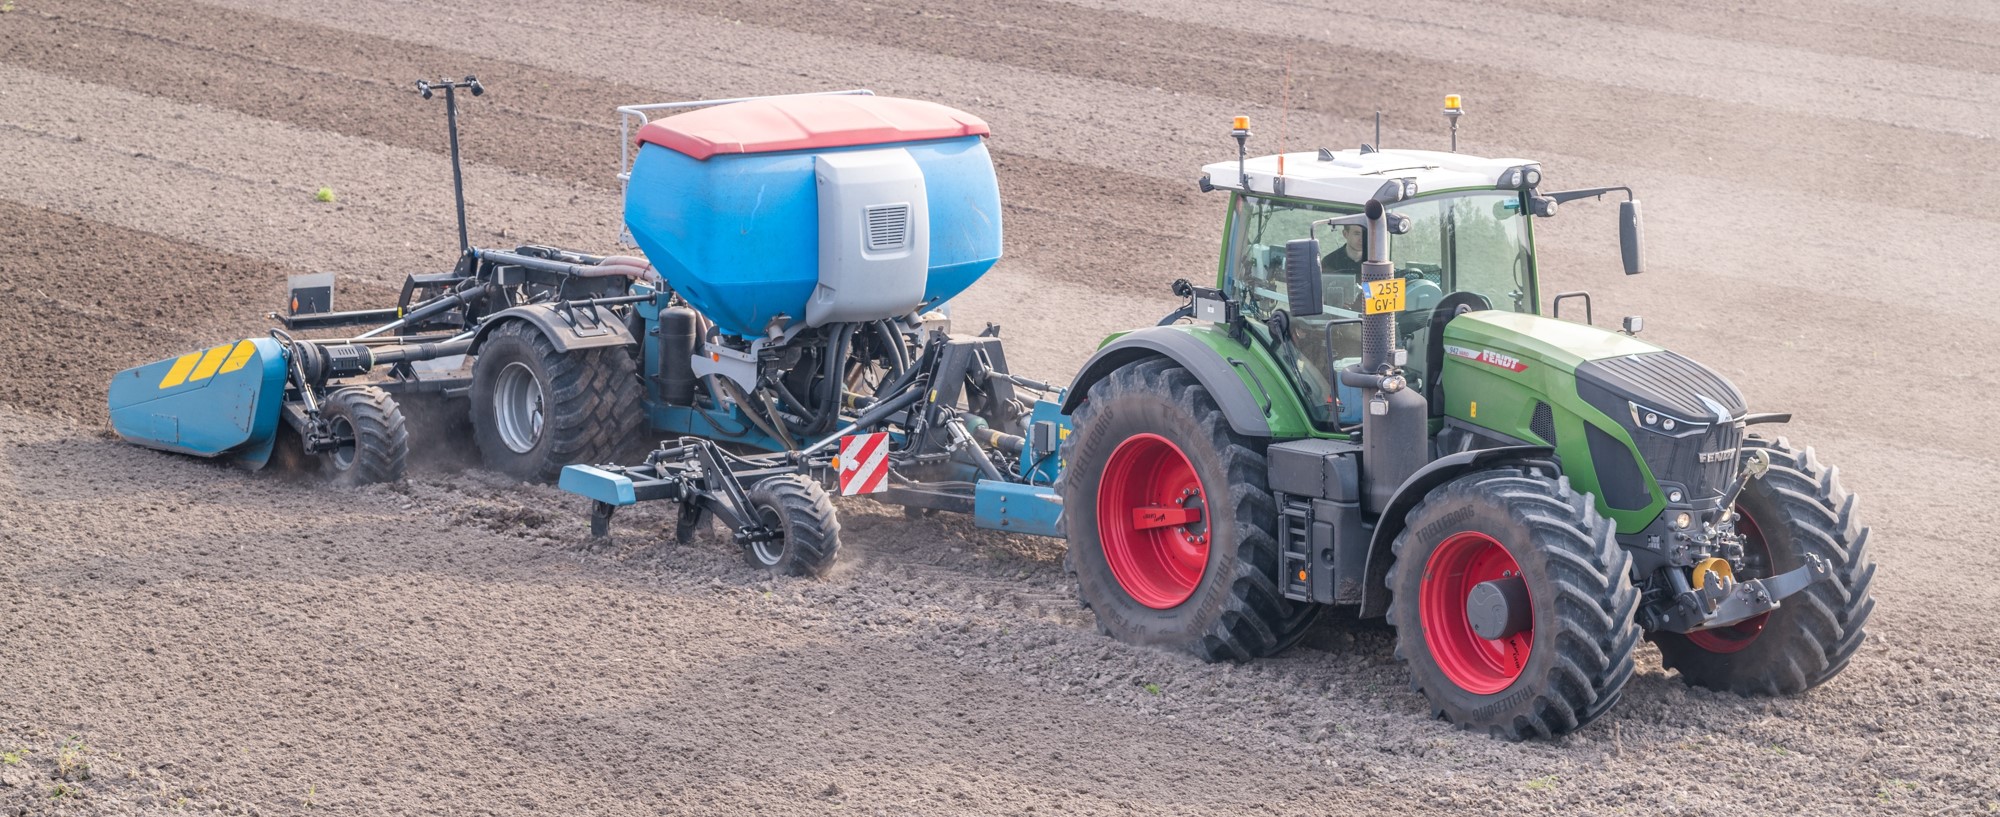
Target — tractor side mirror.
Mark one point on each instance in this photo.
(1631, 239)
(1302, 281)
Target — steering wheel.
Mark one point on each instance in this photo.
(1418, 273)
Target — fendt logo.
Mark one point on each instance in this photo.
(1488, 357)
(1717, 456)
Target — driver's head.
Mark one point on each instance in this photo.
(1355, 235)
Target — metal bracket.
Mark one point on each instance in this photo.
(1727, 603)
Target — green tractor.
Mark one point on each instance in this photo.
(1392, 425)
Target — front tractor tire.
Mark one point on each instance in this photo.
(536, 409)
(1798, 508)
(1512, 604)
(1171, 521)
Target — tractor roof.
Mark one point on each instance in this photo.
(1353, 177)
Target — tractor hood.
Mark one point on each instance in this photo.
(1544, 354)
(1652, 423)
(1535, 339)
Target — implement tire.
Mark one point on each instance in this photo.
(536, 409)
(378, 445)
(1171, 522)
(1564, 657)
(800, 510)
(1798, 507)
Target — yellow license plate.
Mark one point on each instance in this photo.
(1385, 296)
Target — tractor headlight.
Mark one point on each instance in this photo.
(1519, 177)
(1682, 520)
(1660, 422)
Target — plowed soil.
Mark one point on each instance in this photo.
(176, 635)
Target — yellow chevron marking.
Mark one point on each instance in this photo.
(244, 349)
(179, 373)
(210, 361)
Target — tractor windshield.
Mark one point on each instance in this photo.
(1475, 242)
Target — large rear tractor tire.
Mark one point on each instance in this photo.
(1797, 508)
(800, 510)
(1512, 604)
(375, 445)
(536, 409)
(1171, 522)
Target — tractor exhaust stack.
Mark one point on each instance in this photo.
(1395, 428)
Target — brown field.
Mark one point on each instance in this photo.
(1819, 180)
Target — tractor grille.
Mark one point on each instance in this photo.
(1679, 459)
(1704, 463)
(888, 227)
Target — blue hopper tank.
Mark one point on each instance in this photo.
(815, 208)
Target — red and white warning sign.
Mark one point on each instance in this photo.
(864, 463)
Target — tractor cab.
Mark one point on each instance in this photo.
(1470, 244)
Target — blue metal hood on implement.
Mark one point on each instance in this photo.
(222, 401)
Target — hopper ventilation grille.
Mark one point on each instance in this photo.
(888, 227)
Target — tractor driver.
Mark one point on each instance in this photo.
(1346, 260)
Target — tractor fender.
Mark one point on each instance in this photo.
(567, 329)
(1375, 591)
(1214, 371)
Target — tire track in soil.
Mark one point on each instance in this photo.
(257, 616)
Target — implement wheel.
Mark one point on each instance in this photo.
(1512, 604)
(536, 409)
(1171, 522)
(375, 446)
(800, 510)
(1797, 508)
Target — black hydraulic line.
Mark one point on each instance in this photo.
(543, 264)
(881, 411)
(870, 418)
(910, 373)
(751, 411)
(892, 343)
(826, 406)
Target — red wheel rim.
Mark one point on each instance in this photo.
(1735, 637)
(1477, 665)
(1152, 516)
